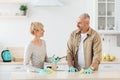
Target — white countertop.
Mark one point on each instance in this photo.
(10, 63)
(61, 62)
(64, 62)
(111, 75)
(103, 75)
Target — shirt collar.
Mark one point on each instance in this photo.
(88, 33)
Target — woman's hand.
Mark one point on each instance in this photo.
(54, 60)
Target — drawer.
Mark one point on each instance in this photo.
(10, 68)
(109, 67)
(5, 70)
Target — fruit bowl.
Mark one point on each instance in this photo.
(108, 57)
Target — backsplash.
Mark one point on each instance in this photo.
(110, 44)
(17, 52)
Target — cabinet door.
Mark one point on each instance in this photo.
(101, 14)
(110, 15)
(5, 70)
(118, 14)
(4, 75)
(106, 15)
(108, 67)
(10, 68)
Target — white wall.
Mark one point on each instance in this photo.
(59, 22)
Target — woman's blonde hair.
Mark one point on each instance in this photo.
(35, 26)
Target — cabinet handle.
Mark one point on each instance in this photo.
(17, 67)
(107, 66)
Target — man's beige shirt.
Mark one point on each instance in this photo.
(92, 47)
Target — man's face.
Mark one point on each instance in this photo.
(82, 23)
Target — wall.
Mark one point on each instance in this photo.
(110, 45)
(58, 22)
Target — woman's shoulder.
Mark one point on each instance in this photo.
(29, 45)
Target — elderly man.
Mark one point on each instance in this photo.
(84, 47)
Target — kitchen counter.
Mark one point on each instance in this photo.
(109, 75)
(116, 61)
(10, 63)
(61, 62)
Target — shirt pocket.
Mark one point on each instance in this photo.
(88, 45)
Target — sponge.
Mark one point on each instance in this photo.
(81, 71)
(52, 71)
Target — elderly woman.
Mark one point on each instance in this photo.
(35, 52)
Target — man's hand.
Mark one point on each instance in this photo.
(88, 71)
(72, 69)
(54, 60)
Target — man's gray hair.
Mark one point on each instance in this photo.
(84, 15)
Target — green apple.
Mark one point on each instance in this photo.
(112, 58)
(107, 57)
(104, 58)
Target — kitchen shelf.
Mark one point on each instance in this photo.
(111, 16)
(13, 16)
(111, 2)
(10, 8)
(13, 1)
(105, 16)
(108, 32)
(101, 1)
(101, 16)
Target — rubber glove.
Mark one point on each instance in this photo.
(88, 71)
(72, 69)
(38, 70)
(54, 60)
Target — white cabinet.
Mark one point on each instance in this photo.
(5, 70)
(107, 12)
(108, 24)
(10, 8)
(109, 67)
(11, 67)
